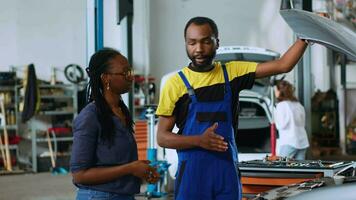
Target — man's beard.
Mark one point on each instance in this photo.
(207, 62)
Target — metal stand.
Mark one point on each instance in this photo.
(154, 190)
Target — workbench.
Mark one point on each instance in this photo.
(259, 176)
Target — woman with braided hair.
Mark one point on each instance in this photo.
(290, 122)
(104, 161)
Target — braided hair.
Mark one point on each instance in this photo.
(99, 63)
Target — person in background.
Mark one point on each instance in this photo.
(202, 100)
(290, 122)
(104, 160)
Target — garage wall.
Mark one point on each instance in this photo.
(252, 23)
(52, 33)
(8, 43)
(44, 32)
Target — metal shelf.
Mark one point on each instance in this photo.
(56, 97)
(7, 88)
(66, 112)
(43, 86)
(9, 127)
(58, 139)
(11, 147)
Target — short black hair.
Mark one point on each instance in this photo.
(201, 21)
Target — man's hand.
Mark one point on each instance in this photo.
(211, 141)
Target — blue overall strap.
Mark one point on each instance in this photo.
(189, 87)
(226, 76)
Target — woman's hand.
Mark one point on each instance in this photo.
(143, 170)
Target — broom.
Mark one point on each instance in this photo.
(2, 148)
(55, 170)
(7, 164)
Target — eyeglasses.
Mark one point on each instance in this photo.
(127, 74)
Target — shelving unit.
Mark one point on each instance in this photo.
(143, 95)
(325, 124)
(58, 109)
(8, 88)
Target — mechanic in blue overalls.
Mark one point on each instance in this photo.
(202, 100)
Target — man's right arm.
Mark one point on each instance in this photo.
(208, 140)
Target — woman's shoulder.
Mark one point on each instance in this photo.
(90, 107)
(293, 105)
(288, 102)
(283, 103)
(89, 111)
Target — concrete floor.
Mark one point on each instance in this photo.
(41, 186)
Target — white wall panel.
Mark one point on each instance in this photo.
(46, 33)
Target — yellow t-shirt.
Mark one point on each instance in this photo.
(208, 86)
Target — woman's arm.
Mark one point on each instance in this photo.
(85, 140)
(99, 175)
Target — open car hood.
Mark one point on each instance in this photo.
(321, 30)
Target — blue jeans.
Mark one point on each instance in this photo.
(291, 152)
(88, 194)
